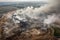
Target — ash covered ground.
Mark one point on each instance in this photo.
(32, 23)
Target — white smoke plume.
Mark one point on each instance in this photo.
(51, 19)
(36, 13)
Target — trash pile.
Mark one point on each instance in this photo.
(29, 30)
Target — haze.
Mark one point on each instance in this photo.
(19, 0)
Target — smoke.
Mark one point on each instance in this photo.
(51, 19)
(54, 2)
(45, 14)
(55, 9)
